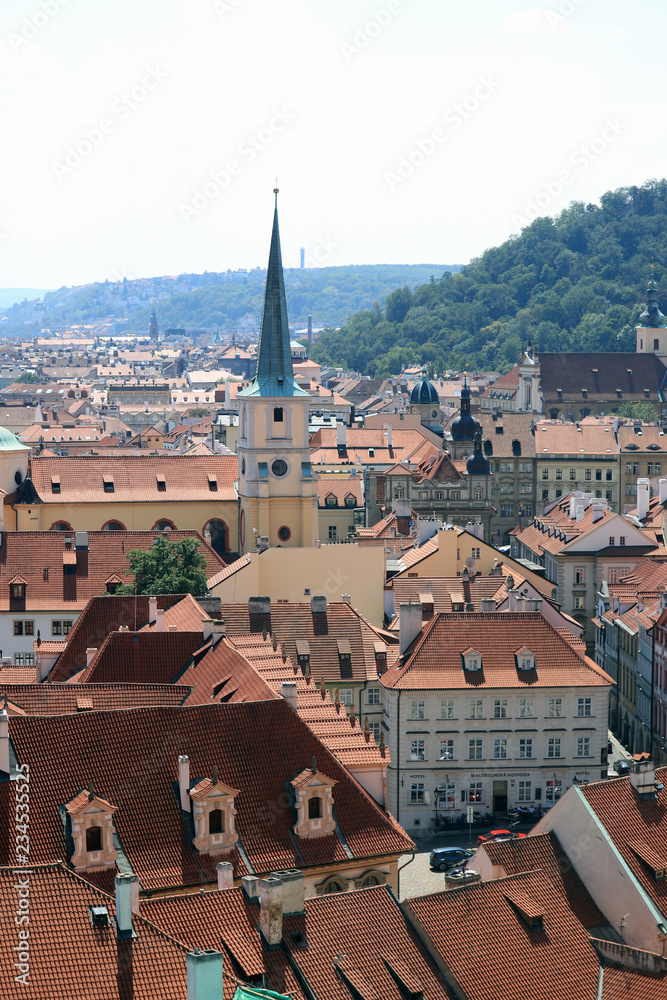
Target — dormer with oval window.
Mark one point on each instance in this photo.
(314, 803)
(471, 659)
(92, 830)
(214, 815)
(525, 658)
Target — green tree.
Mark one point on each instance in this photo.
(29, 377)
(638, 411)
(167, 568)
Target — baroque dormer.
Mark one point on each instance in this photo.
(525, 658)
(92, 830)
(472, 659)
(314, 803)
(214, 815)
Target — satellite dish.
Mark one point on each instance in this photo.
(470, 562)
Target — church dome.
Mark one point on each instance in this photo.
(10, 442)
(425, 392)
(465, 426)
(652, 317)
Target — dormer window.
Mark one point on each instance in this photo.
(350, 500)
(525, 658)
(331, 500)
(472, 659)
(314, 803)
(214, 815)
(161, 484)
(108, 484)
(91, 827)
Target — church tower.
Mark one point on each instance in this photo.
(276, 486)
(651, 332)
(153, 328)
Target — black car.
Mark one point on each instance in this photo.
(621, 767)
(444, 858)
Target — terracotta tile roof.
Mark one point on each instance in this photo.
(230, 570)
(221, 674)
(408, 445)
(141, 657)
(101, 616)
(601, 375)
(187, 615)
(39, 557)
(627, 984)
(509, 382)
(361, 937)
(568, 439)
(132, 759)
(437, 468)
(17, 675)
(509, 436)
(434, 659)
(390, 526)
(629, 820)
(489, 950)
(445, 589)
(341, 489)
(72, 960)
(134, 478)
(409, 559)
(544, 852)
(226, 922)
(292, 622)
(66, 699)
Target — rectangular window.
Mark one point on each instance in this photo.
(525, 791)
(476, 709)
(24, 659)
(612, 540)
(346, 696)
(545, 494)
(417, 793)
(525, 748)
(583, 746)
(628, 468)
(417, 750)
(474, 749)
(526, 707)
(446, 795)
(559, 473)
(584, 707)
(573, 474)
(475, 791)
(333, 532)
(375, 729)
(621, 539)
(598, 475)
(455, 495)
(67, 627)
(609, 475)
(446, 749)
(56, 628)
(657, 468)
(447, 710)
(587, 474)
(500, 708)
(635, 468)
(18, 628)
(578, 603)
(580, 575)
(554, 791)
(507, 510)
(373, 696)
(417, 710)
(500, 749)
(553, 746)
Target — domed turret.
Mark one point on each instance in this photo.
(478, 463)
(424, 392)
(652, 317)
(465, 426)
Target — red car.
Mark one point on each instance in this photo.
(498, 835)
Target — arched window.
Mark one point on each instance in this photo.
(333, 885)
(244, 423)
(94, 838)
(113, 526)
(371, 879)
(218, 533)
(18, 477)
(278, 415)
(216, 821)
(164, 526)
(315, 808)
(61, 526)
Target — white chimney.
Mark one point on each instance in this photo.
(643, 496)
(152, 609)
(4, 741)
(90, 653)
(520, 603)
(410, 624)
(294, 891)
(204, 975)
(341, 435)
(225, 872)
(159, 620)
(207, 628)
(184, 781)
(288, 691)
(390, 439)
(271, 909)
(662, 483)
(487, 605)
(250, 886)
(127, 902)
(218, 630)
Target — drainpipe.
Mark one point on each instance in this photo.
(398, 756)
(399, 870)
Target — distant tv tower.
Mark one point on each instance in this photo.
(303, 256)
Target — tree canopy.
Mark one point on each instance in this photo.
(167, 568)
(575, 282)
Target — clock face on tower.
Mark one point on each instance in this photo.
(279, 467)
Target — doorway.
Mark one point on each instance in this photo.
(499, 797)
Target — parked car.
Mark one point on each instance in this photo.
(498, 835)
(462, 876)
(621, 767)
(444, 858)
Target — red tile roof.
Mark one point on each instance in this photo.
(434, 659)
(72, 960)
(132, 759)
(141, 657)
(67, 699)
(134, 478)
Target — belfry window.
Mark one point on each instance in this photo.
(278, 414)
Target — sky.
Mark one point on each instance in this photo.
(144, 137)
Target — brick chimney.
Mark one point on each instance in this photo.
(271, 909)
(204, 975)
(184, 782)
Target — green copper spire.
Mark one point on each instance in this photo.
(274, 375)
(652, 315)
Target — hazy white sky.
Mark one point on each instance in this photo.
(143, 137)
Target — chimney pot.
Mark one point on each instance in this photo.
(225, 872)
